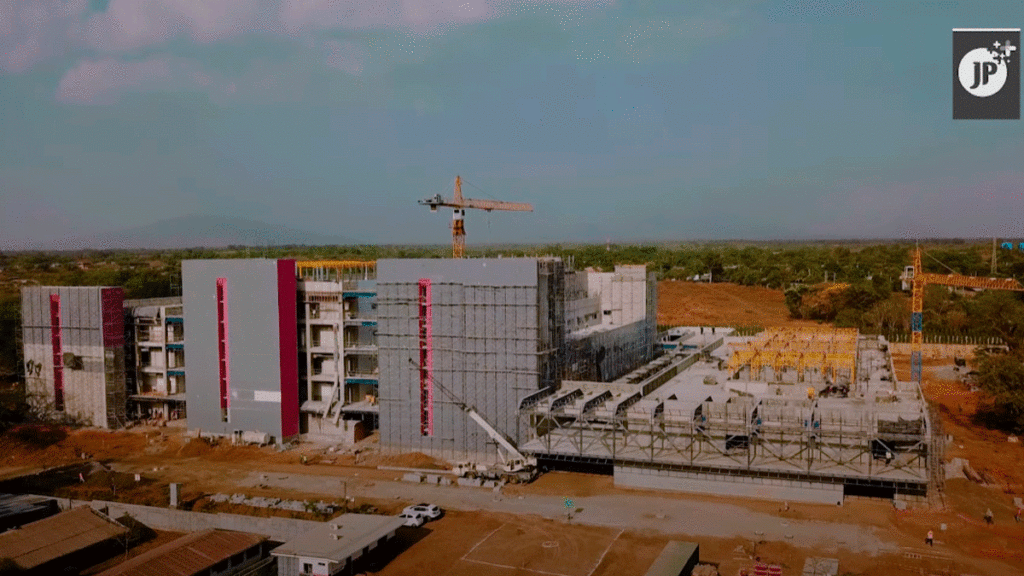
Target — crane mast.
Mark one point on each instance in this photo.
(919, 279)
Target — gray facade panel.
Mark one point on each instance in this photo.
(485, 349)
(472, 271)
(253, 345)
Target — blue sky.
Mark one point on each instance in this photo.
(621, 120)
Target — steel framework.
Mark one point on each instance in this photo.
(882, 440)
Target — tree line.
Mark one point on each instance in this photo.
(847, 284)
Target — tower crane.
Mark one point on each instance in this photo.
(918, 279)
(459, 205)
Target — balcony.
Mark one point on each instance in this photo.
(329, 317)
(361, 321)
(324, 372)
(360, 347)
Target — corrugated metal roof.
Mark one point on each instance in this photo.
(341, 537)
(188, 555)
(51, 538)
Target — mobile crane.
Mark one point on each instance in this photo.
(515, 466)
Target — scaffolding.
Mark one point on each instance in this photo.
(812, 354)
(881, 437)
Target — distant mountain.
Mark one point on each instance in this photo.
(203, 232)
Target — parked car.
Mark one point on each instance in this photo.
(412, 520)
(428, 511)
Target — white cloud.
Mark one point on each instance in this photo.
(34, 30)
(106, 80)
(418, 15)
(132, 24)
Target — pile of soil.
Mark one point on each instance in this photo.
(54, 445)
(408, 460)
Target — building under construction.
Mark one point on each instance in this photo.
(791, 414)
(565, 364)
(488, 333)
(73, 353)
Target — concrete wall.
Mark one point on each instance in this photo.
(486, 338)
(263, 356)
(721, 485)
(623, 294)
(91, 343)
(275, 528)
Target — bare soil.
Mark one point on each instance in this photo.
(683, 303)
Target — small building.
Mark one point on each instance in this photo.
(206, 553)
(20, 509)
(676, 559)
(63, 542)
(332, 548)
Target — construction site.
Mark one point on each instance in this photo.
(511, 390)
(486, 386)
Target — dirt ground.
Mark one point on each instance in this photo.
(501, 544)
(683, 303)
(488, 543)
(532, 545)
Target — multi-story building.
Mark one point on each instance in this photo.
(74, 353)
(329, 350)
(487, 333)
(242, 347)
(155, 357)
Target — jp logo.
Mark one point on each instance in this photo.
(982, 71)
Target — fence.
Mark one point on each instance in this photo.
(943, 338)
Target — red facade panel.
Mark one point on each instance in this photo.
(426, 359)
(113, 317)
(223, 351)
(289, 345)
(58, 355)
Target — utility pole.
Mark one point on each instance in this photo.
(994, 253)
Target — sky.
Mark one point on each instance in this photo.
(618, 120)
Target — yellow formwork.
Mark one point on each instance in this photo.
(828, 350)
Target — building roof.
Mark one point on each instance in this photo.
(340, 538)
(13, 504)
(51, 538)
(674, 559)
(188, 555)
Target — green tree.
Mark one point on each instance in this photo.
(1001, 376)
(1000, 313)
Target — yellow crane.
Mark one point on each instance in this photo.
(918, 279)
(459, 205)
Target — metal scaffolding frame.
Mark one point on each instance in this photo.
(883, 441)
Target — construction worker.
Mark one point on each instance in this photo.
(930, 540)
(1016, 517)
(988, 516)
